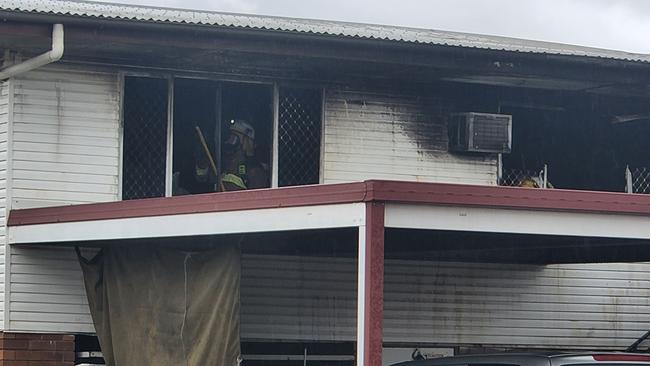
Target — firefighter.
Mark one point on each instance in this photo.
(241, 167)
(535, 182)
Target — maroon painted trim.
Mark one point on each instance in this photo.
(192, 204)
(374, 291)
(374, 190)
(509, 197)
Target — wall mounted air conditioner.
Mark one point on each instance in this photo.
(480, 132)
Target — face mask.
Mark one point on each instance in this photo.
(233, 140)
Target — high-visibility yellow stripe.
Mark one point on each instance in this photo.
(233, 179)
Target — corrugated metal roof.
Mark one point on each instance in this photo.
(307, 26)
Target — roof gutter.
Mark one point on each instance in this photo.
(53, 55)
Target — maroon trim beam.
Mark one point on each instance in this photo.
(510, 197)
(193, 204)
(373, 190)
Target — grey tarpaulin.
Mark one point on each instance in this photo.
(153, 305)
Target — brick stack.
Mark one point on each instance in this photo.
(22, 349)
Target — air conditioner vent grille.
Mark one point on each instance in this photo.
(491, 133)
(480, 132)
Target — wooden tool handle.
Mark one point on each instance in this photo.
(207, 151)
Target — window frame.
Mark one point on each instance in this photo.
(171, 77)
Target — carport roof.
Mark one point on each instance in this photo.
(144, 14)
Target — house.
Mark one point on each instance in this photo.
(387, 224)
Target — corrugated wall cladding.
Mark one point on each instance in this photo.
(392, 135)
(558, 306)
(65, 138)
(4, 124)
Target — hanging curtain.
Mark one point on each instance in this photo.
(155, 305)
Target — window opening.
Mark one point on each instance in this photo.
(145, 137)
(222, 136)
(195, 140)
(247, 114)
(575, 146)
(299, 136)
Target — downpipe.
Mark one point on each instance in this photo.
(53, 55)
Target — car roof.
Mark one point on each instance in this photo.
(530, 358)
(479, 358)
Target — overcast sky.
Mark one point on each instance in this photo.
(615, 24)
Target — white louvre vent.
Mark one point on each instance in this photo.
(480, 132)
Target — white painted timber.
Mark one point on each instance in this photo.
(213, 223)
(497, 220)
(47, 291)
(395, 136)
(5, 109)
(576, 306)
(65, 150)
(65, 137)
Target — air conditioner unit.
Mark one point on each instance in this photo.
(480, 132)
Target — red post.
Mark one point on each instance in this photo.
(371, 287)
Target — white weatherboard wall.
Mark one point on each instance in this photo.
(603, 306)
(65, 137)
(395, 136)
(292, 298)
(298, 298)
(597, 306)
(4, 124)
(47, 292)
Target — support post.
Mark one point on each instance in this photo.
(370, 300)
